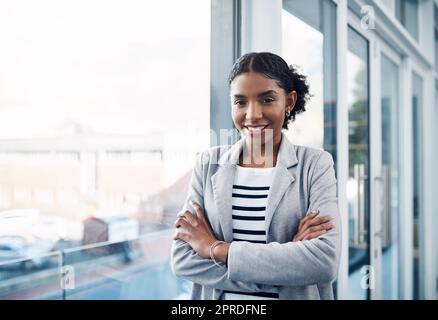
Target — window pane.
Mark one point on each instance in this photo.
(309, 41)
(390, 173)
(407, 13)
(103, 105)
(358, 168)
(389, 4)
(417, 107)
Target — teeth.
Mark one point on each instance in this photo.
(255, 128)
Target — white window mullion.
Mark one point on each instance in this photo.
(406, 182)
(342, 143)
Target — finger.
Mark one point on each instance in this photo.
(319, 220)
(307, 224)
(302, 234)
(180, 215)
(324, 226)
(181, 222)
(201, 216)
(189, 217)
(308, 216)
(310, 229)
(198, 210)
(314, 235)
(328, 225)
(180, 235)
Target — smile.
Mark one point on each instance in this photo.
(256, 130)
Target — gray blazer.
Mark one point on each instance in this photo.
(304, 179)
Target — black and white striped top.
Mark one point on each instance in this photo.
(250, 195)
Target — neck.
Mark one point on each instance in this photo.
(260, 156)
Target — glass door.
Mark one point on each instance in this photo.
(373, 203)
(387, 215)
(358, 170)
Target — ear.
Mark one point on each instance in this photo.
(291, 99)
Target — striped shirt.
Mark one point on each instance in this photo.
(250, 195)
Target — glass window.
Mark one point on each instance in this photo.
(309, 42)
(390, 209)
(389, 4)
(358, 169)
(417, 109)
(406, 11)
(103, 105)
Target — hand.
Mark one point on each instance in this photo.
(312, 226)
(195, 231)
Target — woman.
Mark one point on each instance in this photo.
(244, 232)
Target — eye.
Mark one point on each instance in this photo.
(239, 103)
(267, 100)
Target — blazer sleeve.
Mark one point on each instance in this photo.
(186, 263)
(296, 263)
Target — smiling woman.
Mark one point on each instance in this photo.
(262, 222)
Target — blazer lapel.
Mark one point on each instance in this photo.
(222, 182)
(282, 178)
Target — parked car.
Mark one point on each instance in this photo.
(31, 222)
(121, 231)
(24, 253)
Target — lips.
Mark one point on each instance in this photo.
(255, 130)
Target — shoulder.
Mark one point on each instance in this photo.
(312, 155)
(315, 165)
(314, 162)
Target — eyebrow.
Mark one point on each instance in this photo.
(259, 95)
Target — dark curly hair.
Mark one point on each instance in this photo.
(275, 68)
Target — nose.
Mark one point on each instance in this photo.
(254, 111)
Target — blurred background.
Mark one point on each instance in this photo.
(104, 105)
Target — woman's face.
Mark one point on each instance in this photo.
(259, 105)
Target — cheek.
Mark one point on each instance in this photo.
(238, 116)
(276, 116)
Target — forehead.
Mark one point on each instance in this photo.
(252, 83)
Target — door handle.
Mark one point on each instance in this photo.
(385, 232)
(360, 227)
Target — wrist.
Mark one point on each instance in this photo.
(220, 252)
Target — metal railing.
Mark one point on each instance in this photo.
(137, 268)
